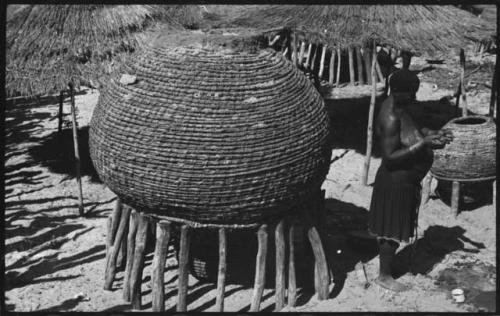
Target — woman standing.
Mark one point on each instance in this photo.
(406, 159)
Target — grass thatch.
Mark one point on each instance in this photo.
(49, 45)
(417, 28)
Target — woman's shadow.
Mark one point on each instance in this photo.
(437, 242)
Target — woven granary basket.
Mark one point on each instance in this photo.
(472, 153)
(211, 134)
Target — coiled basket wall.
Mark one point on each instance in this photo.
(472, 153)
(211, 135)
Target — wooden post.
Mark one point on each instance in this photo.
(315, 54)
(60, 114)
(493, 97)
(292, 284)
(462, 82)
(113, 250)
(183, 269)
(221, 278)
(339, 62)
(494, 195)
(455, 197)
(322, 62)
(350, 52)
(308, 58)
(294, 48)
(77, 152)
(369, 133)
(158, 268)
(359, 62)
(331, 70)
(368, 64)
(115, 220)
(122, 251)
(132, 231)
(321, 268)
(301, 53)
(426, 188)
(138, 262)
(260, 269)
(280, 265)
(108, 233)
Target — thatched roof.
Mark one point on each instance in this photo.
(418, 28)
(49, 45)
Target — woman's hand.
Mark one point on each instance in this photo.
(446, 135)
(434, 141)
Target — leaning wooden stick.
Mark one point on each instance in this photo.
(113, 251)
(183, 269)
(260, 269)
(77, 151)
(221, 278)
(369, 132)
(138, 262)
(279, 237)
(158, 267)
(292, 284)
(132, 231)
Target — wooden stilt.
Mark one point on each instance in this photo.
(359, 64)
(462, 83)
(322, 62)
(280, 265)
(132, 231)
(60, 114)
(350, 52)
(369, 133)
(292, 284)
(455, 197)
(113, 250)
(138, 262)
(301, 53)
(331, 70)
(294, 48)
(221, 278)
(308, 57)
(321, 280)
(260, 269)
(77, 151)
(108, 233)
(493, 97)
(426, 188)
(122, 252)
(494, 195)
(339, 63)
(368, 64)
(314, 57)
(183, 269)
(159, 260)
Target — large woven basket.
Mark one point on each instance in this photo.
(211, 135)
(471, 156)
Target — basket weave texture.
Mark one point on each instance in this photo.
(211, 135)
(472, 153)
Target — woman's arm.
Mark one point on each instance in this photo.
(427, 131)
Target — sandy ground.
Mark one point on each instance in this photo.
(55, 259)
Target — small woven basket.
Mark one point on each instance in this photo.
(211, 134)
(471, 156)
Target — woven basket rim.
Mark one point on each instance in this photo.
(455, 121)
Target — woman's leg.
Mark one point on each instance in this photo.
(387, 250)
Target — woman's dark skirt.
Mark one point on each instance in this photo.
(394, 204)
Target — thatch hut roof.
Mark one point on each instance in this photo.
(418, 28)
(50, 45)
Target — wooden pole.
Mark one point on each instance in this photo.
(320, 267)
(455, 197)
(138, 263)
(462, 82)
(122, 251)
(350, 52)
(159, 260)
(60, 114)
(359, 62)
(322, 62)
(294, 48)
(132, 231)
(183, 269)
(331, 73)
(279, 237)
(308, 57)
(494, 195)
(108, 239)
(292, 284)
(339, 62)
(369, 133)
(493, 97)
(113, 250)
(221, 278)
(260, 269)
(77, 152)
(301, 53)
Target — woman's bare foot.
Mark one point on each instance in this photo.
(387, 282)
